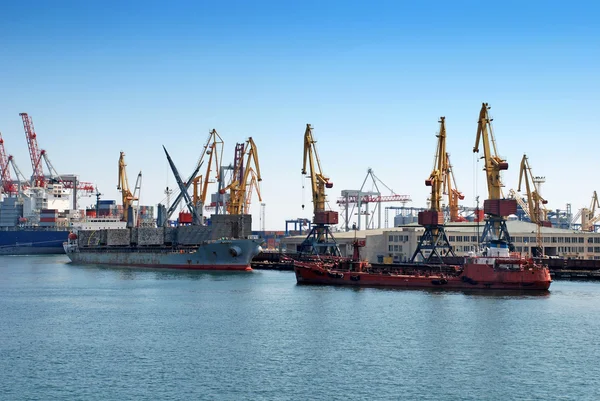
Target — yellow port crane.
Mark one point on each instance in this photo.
(317, 179)
(495, 207)
(319, 240)
(214, 149)
(438, 174)
(123, 186)
(241, 178)
(252, 186)
(535, 203)
(450, 189)
(434, 244)
(588, 218)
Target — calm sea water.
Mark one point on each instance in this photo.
(95, 333)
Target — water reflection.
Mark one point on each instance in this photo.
(137, 273)
(517, 294)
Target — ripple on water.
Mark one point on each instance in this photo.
(97, 333)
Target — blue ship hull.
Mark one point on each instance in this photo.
(32, 241)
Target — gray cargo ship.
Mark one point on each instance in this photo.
(225, 244)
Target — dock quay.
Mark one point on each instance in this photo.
(271, 261)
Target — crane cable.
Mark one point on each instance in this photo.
(302, 182)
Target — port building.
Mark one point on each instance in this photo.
(398, 244)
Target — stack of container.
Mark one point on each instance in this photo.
(10, 211)
(48, 217)
(272, 238)
(146, 214)
(109, 208)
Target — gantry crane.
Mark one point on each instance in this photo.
(495, 207)
(37, 178)
(358, 198)
(183, 193)
(450, 189)
(434, 244)
(535, 209)
(320, 240)
(588, 218)
(245, 163)
(214, 149)
(123, 186)
(251, 187)
(8, 186)
(22, 182)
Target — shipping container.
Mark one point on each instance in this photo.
(500, 207)
(185, 218)
(430, 217)
(327, 217)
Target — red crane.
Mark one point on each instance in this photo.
(7, 184)
(38, 179)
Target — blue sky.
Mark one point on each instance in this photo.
(372, 78)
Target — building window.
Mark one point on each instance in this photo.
(568, 240)
(561, 240)
(391, 238)
(451, 238)
(391, 248)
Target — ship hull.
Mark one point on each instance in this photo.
(217, 255)
(32, 242)
(480, 277)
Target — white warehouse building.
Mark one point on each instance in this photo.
(398, 244)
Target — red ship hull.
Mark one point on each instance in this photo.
(472, 276)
